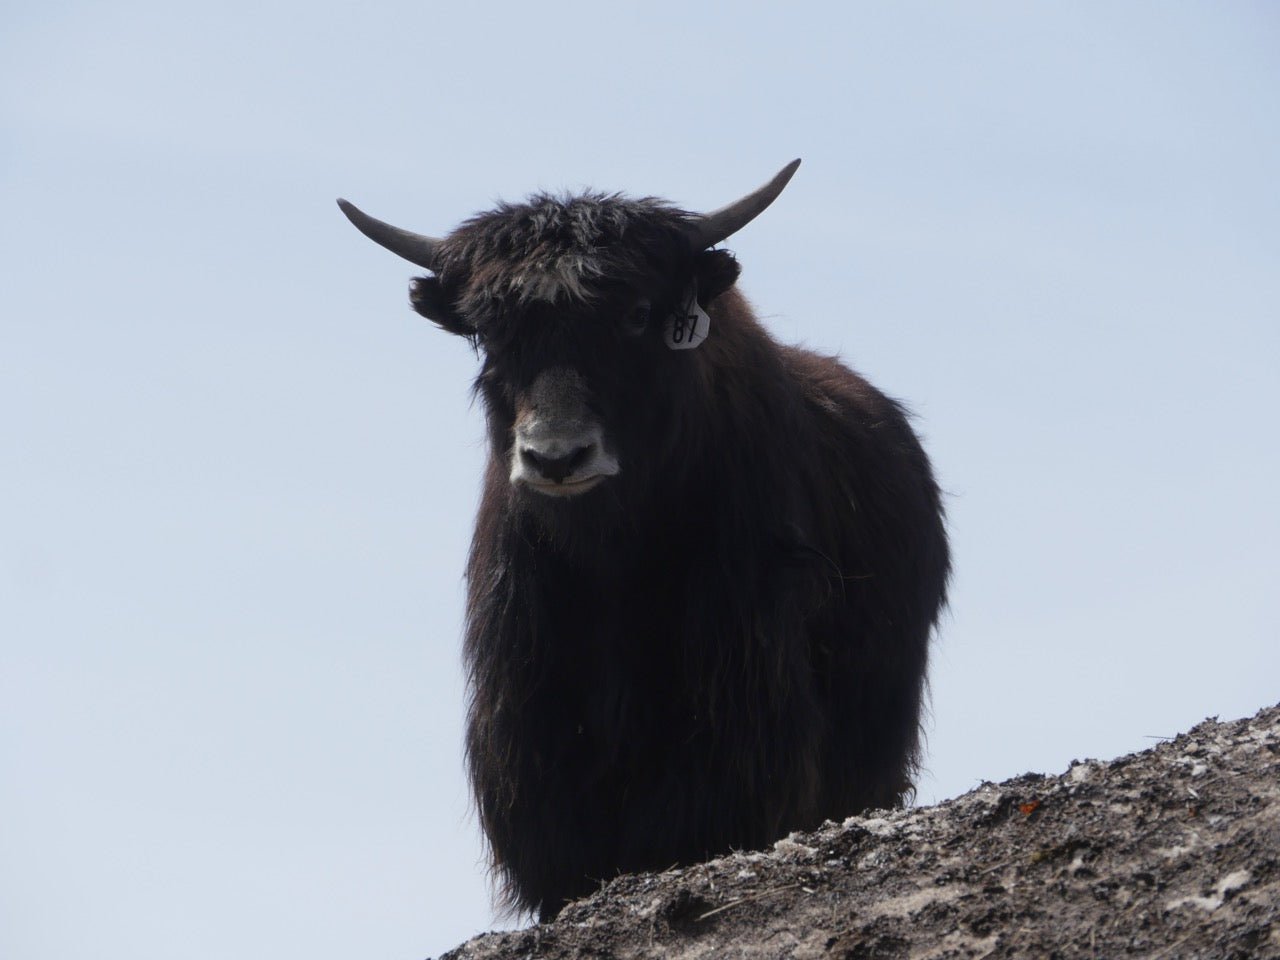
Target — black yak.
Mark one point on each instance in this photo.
(706, 565)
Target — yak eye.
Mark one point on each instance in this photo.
(636, 320)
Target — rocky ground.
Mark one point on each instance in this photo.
(1172, 852)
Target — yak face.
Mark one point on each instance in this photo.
(567, 299)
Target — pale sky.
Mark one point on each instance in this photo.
(238, 473)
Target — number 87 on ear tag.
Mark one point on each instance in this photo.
(687, 325)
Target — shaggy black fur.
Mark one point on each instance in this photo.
(728, 640)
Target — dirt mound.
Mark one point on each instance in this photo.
(1172, 852)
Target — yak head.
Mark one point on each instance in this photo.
(586, 310)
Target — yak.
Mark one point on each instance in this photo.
(706, 566)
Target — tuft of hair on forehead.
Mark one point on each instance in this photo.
(566, 248)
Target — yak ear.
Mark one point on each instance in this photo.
(716, 271)
(429, 299)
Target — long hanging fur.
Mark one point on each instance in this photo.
(723, 643)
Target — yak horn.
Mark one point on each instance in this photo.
(711, 228)
(414, 247)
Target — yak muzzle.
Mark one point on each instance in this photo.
(558, 446)
(561, 466)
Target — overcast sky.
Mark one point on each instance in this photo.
(237, 473)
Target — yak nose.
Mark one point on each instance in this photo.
(554, 462)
